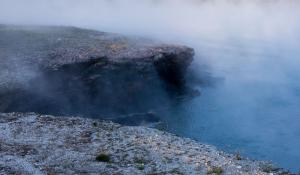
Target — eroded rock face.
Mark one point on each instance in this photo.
(41, 144)
(66, 70)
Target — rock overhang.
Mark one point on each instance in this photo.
(84, 66)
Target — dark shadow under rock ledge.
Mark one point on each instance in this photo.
(43, 144)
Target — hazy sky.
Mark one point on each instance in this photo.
(159, 18)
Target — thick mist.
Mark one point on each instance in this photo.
(202, 24)
(162, 18)
(249, 48)
(197, 23)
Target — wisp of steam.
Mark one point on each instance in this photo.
(249, 48)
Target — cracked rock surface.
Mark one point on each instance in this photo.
(41, 144)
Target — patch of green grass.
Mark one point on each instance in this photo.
(140, 162)
(215, 170)
(141, 166)
(103, 157)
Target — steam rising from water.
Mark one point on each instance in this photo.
(212, 23)
(162, 18)
(252, 45)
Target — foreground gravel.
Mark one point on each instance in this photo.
(42, 144)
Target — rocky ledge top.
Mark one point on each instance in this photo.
(43, 144)
(28, 51)
(53, 46)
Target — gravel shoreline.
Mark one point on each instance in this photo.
(41, 144)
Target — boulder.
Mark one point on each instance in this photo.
(68, 70)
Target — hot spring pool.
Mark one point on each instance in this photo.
(253, 106)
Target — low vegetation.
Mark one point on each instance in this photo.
(215, 170)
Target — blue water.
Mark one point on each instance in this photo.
(252, 103)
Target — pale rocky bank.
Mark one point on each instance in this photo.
(41, 144)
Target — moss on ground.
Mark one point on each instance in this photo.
(215, 170)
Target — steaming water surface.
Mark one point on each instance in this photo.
(254, 109)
